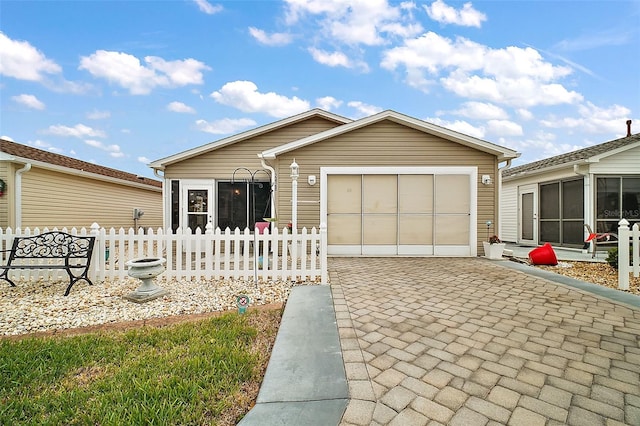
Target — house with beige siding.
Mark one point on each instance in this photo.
(44, 189)
(552, 199)
(387, 184)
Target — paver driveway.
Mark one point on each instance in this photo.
(470, 342)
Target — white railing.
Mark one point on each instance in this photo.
(628, 237)
(214, 254)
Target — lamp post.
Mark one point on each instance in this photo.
(295, 173)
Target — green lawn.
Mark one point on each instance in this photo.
(190, 373)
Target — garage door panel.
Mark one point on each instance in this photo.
(415, 193)
(344, 194)
(416, 229)
(380, 194)
(452, 230)
(452, 194)
(380, 229)
(344, 229)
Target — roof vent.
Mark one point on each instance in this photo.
(628, 128)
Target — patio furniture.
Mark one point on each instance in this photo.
(51, 250)
(600, 239)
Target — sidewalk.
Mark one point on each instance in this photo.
(305, 382)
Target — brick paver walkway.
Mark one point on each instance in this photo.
(430, 341)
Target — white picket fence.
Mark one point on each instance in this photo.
(627, 237)
(214, 254)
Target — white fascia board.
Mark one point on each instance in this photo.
(76, 172)
(503, 154)
(163, 162)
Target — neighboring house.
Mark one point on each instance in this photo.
(44, 189)
(551, 200)
(387, 184)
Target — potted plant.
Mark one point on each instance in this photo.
(493, 248)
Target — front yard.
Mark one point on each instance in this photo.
(204, 372)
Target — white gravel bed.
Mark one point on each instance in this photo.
(41, 306)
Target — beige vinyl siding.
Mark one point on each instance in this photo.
(381, 144)
(221, 163)
(4, 199)
(55, 199)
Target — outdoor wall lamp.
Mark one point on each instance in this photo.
(295, 170)
(486, 180)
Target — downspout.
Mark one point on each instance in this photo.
(264, 165)
(500, 169)
(166, 201)
(18, 194)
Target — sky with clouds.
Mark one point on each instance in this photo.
(125, 83)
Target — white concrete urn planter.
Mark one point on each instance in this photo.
(146, 269)
(493, 251)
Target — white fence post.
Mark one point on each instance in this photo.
(635, 234)
(323, 254)
(96, 272)
(623, 254)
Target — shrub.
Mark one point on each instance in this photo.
(612, 257)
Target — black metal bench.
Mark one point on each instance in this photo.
(51, 250)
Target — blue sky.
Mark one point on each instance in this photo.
(123, 83)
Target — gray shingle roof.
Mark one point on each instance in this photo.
(35, 154)
(574, 156)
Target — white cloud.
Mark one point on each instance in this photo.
(113, 150)
(29, 101)
(274, 39)
(77, 131)
(355, 22)
(23, 61)
(467, 16)
(328, 103)
(593, 119)
(244, 96)
(224, 126)
(98, 115)
(180, 107)
(481, 111)
(7, 138)
(504, 128)
(458, 126)
(364, 110)
(144, 160)
(207, 7)
(521, 92)
(525, 114)
(336, 59)
(513, 76)
(127, 71)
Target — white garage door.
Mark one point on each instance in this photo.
(400, 213)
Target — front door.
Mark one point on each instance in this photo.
(197, 205)
(528, 214)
